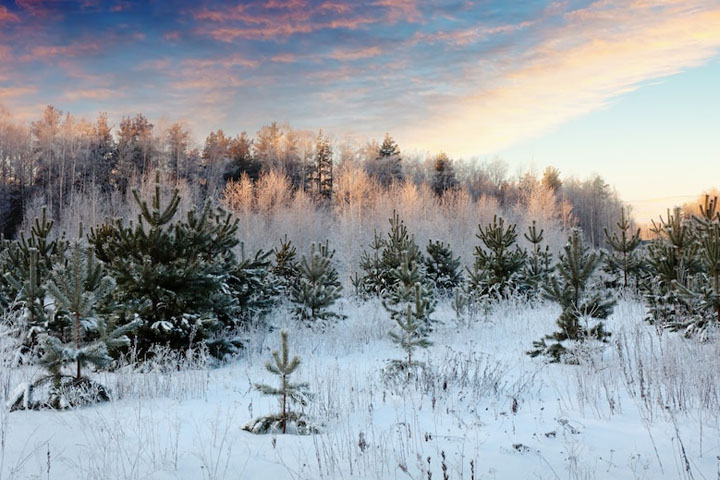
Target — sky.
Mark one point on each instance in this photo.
(629, 89)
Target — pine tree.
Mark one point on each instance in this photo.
(387, 255)
(78, 287)
(536, 271)
(443, 178)
(389, 162)
(318, 287)
(174, 275)
(412, 331)
(372, 282)
(285, 267)
(255, 290)
(498, 260)
(26, 266)
(441, 268)
(408, 279)
(288, 393)
(672, 260)
(323, 171)
(703, 289)
(571, 289)
(623, 259)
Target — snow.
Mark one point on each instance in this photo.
(629, 410)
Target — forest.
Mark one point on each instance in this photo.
(128, 248)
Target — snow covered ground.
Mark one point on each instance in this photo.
(644, 406)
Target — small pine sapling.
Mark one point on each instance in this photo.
(672, 260)
(77, 286)
(288, 393)
(536, 271)
(498, 260)
(407, 278)
(571, 289)
(317, 288)
(412, 333)
(442, 268)
(372, 281)
(703, 292)
(623, 259)
(285, 264)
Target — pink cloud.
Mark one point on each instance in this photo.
(401, 10)
(342, 54)
(172, 36)
(71, 50)
(7, 16)
(91, 94)
(284, 58)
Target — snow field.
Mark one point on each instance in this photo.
(645, 405)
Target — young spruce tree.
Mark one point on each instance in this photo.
(288, 393)
(623, 258)
(498, 260)
(442, 268)
(173, 275)
(536, 271)
(412, 332)
(317, 288)
(570, 288)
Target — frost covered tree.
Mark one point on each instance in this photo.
(372, 282)
(672, 260)
(254, 288)
(26, 264)
(288, 393)
(317, 288)
(409, 279)
(386, 256)
(411, 331)
(702, 291)
(78, 286)
(623, 258)
(498, 259)
(443, 175)
(285, 265)
(537, 269)
(581, 304)
(442, 268)
(173, 274)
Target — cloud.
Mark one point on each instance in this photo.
(42, 52)
(602, 51)
(345, 54)
(7, 16)
(91, 94)
(8, 93)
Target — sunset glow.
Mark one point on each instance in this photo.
(475, 79)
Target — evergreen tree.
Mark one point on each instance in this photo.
(285, 267)
(78, 287)
(372, 283)
(498, 260)
(389, 163)
(288, 393)
(387, 255)
(255, 290)
(174, 275)
(703, 290)
(26, 266)
(623, 259)
(321, 171)
(672, 260)
(571, 289)
(441, 268)
(412, 332)
(443, 178)
(318, 287)
(409, 288)
(536, 271)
